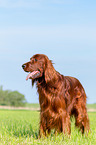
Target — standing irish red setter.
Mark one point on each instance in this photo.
(60, 97)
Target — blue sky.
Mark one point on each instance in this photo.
(64, 30)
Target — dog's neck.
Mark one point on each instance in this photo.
(41, 82)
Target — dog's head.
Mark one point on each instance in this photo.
(39, 66)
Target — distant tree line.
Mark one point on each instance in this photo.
(11, 98)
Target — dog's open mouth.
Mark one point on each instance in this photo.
(33, 75)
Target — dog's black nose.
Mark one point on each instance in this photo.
(23, 66)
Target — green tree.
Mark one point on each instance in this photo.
(11, 98)
(16, 99)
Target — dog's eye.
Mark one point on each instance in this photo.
(35, 60)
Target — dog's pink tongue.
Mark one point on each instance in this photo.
(33, 75)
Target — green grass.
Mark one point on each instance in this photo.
(32, 105)
(36, 105)
(91, 106)
(21, 128)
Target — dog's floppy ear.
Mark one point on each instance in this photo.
(50, 72)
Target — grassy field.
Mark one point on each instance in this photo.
(31, 105)
(91, 106)
(21, 128)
